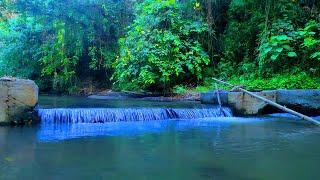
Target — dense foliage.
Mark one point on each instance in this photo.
(161, 45)
(271, 39)
(161, 48)
(61, 43)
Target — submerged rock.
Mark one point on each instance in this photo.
(18, 97)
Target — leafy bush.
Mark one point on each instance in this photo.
(269, 39)
(56, 62)
(311, 39)
(161, 49)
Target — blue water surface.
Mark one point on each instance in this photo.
(269, 147)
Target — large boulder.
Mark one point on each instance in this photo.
(18, 97)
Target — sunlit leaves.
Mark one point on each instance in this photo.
(55, 61)
(310, 42)
(292, 54)
(163, 52)
(274, 47)
(315, 55)
(311, 39)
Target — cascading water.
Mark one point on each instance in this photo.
(103, 115)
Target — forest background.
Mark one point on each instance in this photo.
(161, 45)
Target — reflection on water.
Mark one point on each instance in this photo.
(54, 132)
(214, 148)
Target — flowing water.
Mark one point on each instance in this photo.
(190, 142)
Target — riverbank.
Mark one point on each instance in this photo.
(19, 97)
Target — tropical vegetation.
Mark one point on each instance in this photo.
(161, 45)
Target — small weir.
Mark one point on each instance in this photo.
(104, 115)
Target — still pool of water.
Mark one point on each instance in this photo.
(219, 148)
(269, 147)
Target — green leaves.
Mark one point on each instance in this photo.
(309, 42)
(56, 62)
(286, 44)
(165, 43)
(165, 56)
(311, 39)
(292, 54)
(60, 35)
(279, 49)
(275, 56)
(280, 38)
(274, 48)
(315, 55)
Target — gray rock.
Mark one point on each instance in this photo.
(18, 97)
(305, 101)
(245, 104)
(211, 97)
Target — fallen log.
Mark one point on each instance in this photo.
(283, 108)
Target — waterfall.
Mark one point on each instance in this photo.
(103, 115)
